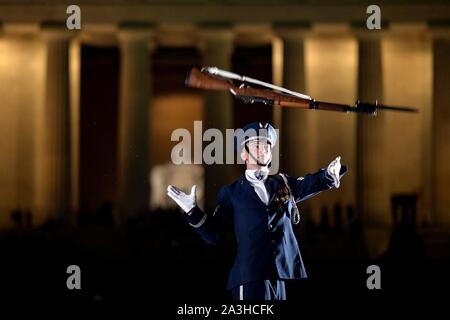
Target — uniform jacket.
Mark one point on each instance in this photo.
(266, 244)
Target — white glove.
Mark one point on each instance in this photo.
(333, 171)
(185, 201)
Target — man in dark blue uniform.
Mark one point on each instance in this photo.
(261, 208)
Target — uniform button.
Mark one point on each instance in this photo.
(270, 226)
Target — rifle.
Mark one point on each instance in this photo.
(212, 78)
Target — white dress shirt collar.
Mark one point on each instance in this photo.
(258, 183)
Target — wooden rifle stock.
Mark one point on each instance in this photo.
(197, 79)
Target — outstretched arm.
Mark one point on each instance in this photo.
(313, 183)
(211, 227)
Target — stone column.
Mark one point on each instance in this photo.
(54, 185)
(133, 140)
(373, 201)
(372, 170)
(297, 142)
(296, 137)
(218, 109)
(75, 83)
(440, 184)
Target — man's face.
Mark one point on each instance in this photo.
(261, 151)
